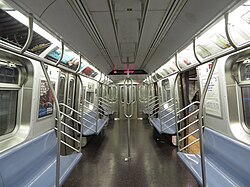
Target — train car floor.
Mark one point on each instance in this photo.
(153, 163)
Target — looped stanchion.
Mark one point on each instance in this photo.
(128, 103)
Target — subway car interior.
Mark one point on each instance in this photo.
(110, 93)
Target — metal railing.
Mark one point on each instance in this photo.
(97, 110)
(153, 107)
(191, 118)
(170, 110)
(105, 104)
(64, 115)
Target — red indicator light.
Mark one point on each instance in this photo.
(130, 71)
(115, 72)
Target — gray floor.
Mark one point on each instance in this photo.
(153, 163)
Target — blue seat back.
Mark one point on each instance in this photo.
(165, 112)
(230, 156)
(90, 116)
(20, 163)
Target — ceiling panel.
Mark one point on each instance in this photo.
(97, 5)
(105, 27)
(159, 5)
(124, 5)
(73, 32)
(152, 22)
(37, 6)
(195, 15)
(128, 30)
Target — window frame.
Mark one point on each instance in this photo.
(242, 84)
(14, 87)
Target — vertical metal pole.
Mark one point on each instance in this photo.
(81, 128)
(58, 125)
(175, 109)
(128, 136)
(203, 95)
(160, 95)
(128, 83)
(148, 90)
(97, 114)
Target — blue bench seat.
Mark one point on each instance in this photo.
(226, 161)
(100, 124)
(166, 121)
(33, 163)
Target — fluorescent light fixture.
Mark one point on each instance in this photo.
(24, 20)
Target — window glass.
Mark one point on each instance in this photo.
(61, 91)
(112, 93)
(8, 110)
(166, 90)
(246, 105)
(245, 72)
(122, 94)
(143, 92)
(71, 92)
(90, 97)
(8, 75)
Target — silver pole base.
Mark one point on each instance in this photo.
(127, 159)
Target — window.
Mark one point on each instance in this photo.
(113, 93)
(8, 109)
(9, 76)
(61, 91)
(90, 97)
(143, 93)
(166, 90)
(71, 92)
(246, 105)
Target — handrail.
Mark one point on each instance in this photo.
(105, 99)
(69, 146)
(195, 121)
(126, 102)
(203, 95)
(104, 104)
(194, 112)
(76, 121)
(59, 124)
(186, 107)
(85, 113)
(153, 102)
(71, 137)
(65, 124)
(61, 56)
(79, 64)
(153, 97)
(168, 101)
(30, 35)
